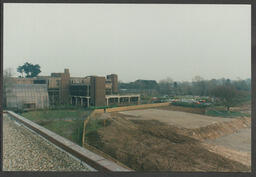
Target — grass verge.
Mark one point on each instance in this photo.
(66, 123)
(91, 132)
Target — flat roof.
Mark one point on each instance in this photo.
(128, 95)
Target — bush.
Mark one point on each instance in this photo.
(224, 113)
(193, 105)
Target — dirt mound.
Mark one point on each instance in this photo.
(216, 130)
(154, 146)
(242, 157)
(183, 109)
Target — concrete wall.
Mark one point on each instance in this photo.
(134, 107)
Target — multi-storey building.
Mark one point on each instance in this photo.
(83, 91)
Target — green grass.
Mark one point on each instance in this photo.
(65, 107)
(223, 113)
(94, 125)
(51, 119)
(91, 135)
(192, 105)
(54, 114)
(70, 130)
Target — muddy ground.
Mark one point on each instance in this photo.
(144, 143)
(239, 141)
(176, 118)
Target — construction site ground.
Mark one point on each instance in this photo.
(239, 141)
(176, 118)
(161, 139)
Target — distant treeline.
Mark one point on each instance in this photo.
(198, 86)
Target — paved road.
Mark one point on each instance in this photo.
(23, 150)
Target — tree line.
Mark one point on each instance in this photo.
(198, 86)
(228, 92)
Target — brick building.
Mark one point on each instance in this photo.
(82, 91)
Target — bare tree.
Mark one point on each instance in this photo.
(197, 79)
(199, 86)
(228, 95)
(165, 85)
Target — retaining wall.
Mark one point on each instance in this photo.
(94, 160)
(142, 106)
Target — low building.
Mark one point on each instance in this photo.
(27, 96)
(122, 99)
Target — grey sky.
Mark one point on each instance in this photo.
(132, 40)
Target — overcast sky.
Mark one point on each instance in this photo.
(134, 41)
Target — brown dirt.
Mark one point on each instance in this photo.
(183, 109)
(242, 157)
(239, 140)
(68, 120)
(149, 145)
(219, 129)
(175, 118)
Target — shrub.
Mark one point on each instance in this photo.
(193, 105)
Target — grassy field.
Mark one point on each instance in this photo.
(66, 123)
(224, 113)
(243, 110)
(91, 134)
(54, 114)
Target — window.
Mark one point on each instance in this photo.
(58, 82)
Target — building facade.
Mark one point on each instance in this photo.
(86, 91)
(27, 96)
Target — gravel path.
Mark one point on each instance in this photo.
(23, 150)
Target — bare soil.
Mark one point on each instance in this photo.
(183, 109)
(176, 118)
(239, 156)
(146, 144)
(240, 140)
(216, 130)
